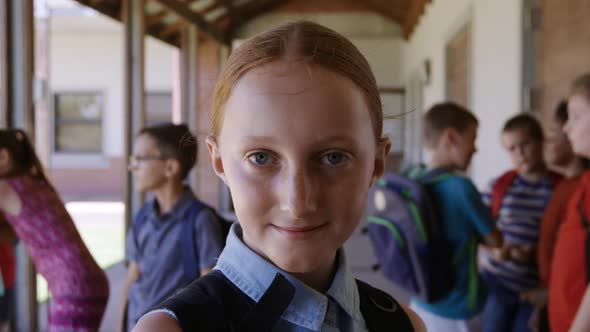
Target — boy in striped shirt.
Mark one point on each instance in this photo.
(518, 199)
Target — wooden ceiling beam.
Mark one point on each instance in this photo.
(155, 18)
(232, 12)
(183, 11)
(109, 9)
(208, 9)
(251, 10)
(156, 32)
(415, 11)
(392, 12)
(172, 28)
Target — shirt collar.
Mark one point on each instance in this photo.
(308, 307)
(177, 211)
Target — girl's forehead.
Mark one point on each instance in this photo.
(296, 98)
(288, 77)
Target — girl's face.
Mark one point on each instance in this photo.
(298, 152)
(6, 162)
(558, 149)
(578, 124)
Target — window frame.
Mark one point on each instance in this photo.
(71, 159)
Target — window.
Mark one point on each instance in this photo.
(158, 107)
(78, 122)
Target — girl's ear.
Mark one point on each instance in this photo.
(381, 154)
(216, 161)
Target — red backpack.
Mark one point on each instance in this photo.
(502, 185)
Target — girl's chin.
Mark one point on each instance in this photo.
(300, 263)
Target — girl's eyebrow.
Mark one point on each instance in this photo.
(321, 140)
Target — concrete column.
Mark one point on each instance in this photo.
(134, 21)
(20, 114)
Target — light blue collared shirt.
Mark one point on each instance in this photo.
(309, 310)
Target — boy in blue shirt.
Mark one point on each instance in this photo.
(162, 158)
(449, 134)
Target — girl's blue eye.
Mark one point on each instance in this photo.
(334, 158)
(260, 158)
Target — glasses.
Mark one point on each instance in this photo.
(136, 160)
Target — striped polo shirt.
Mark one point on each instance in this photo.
(519, 221)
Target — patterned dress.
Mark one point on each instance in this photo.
(78, 285)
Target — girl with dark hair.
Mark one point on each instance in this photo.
(30, 204)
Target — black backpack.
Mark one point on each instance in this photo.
(214, 303)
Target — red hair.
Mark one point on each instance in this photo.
(304, 40)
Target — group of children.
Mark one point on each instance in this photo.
(299, 176)
(522, 261)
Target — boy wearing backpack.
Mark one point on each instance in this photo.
(449, 134)
(174, 237)
(518, 199)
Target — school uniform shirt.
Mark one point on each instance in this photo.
(156, 248)
(519, 221)
(464, 220)
(309, 310)
(569, 279)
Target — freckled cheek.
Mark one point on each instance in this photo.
(346, 200)
(253, 195)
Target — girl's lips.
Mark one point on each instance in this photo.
(299, 231)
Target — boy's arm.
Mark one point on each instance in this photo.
(494, 239)
(133, 273)
(582, 320)
(524, 253)
(210, 240)
(480, 215)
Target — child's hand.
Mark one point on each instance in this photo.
(522, 253)
(502, 253)
(537, 297)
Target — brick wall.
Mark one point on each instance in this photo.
(458, 59)
(91, 184)
(208, 62)
(564, 48)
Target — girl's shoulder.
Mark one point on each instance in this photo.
(10, 202)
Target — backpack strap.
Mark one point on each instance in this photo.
(434, 175)
(499, 190)
(586, 224)
(267, 312)
(214, 303)
(381, 311)
(187, 241)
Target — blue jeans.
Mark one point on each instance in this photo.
(504, 311)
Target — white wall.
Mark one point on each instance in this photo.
(87, 55)
(496, 67)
